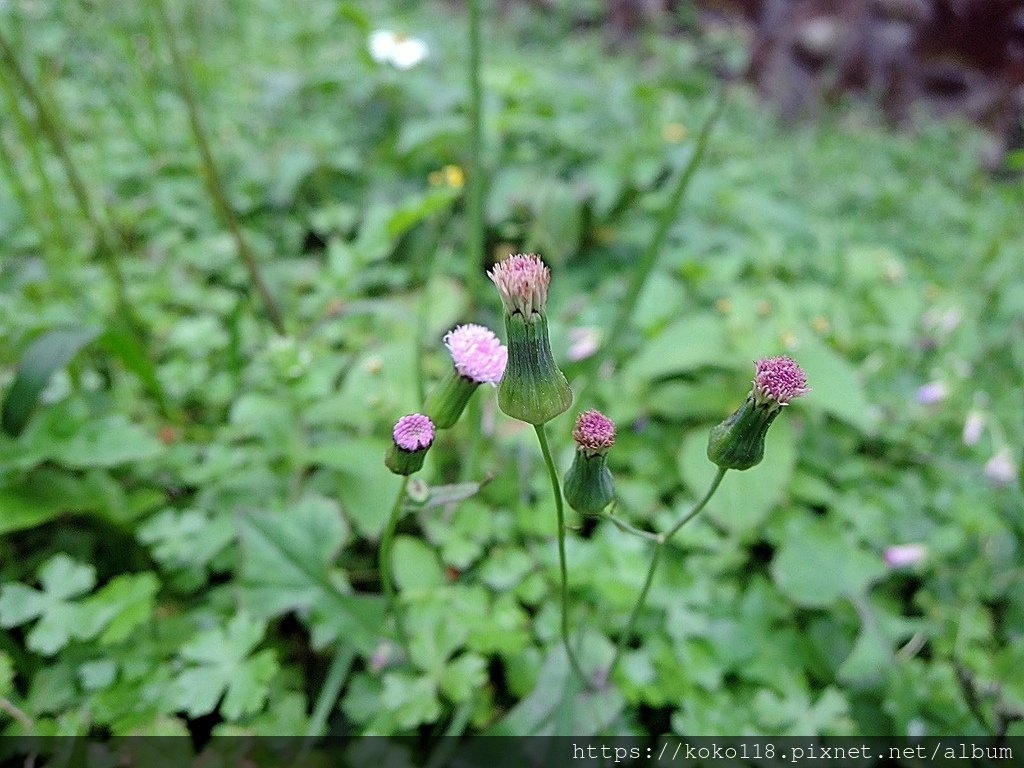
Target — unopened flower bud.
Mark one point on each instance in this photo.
(589, 486)
(478, 357)
(532, 389)
(413, 435)
(738, 442)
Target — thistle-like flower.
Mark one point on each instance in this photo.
(412, 437)
(478, 357)
(738, 442)
(532, 389)
(589, 486)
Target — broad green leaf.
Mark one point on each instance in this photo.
(47, 353)
(44, 495)
(221, 662)
(744, 498)
(59, 619)
(683, 347)
(816, 565)
(415, 565)
(107, 442)
(836, 386)
(366, 488)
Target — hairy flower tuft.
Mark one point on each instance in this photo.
(522, 280)
(477, 353)
(779, 379)
(414, 432)
(594, 432)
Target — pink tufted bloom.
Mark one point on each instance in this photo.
(414, 432)
(522, 280)
(477, 353)
(903, 555)
(779, 380)
(594, 432)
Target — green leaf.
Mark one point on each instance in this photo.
(48, 353)
(683, 347)
(836, 386)
(744, 498)
(463, 676)
(412, 700)
(220, 663)
(107, 442)
(286, 566)
(415, 564)
(816, 565)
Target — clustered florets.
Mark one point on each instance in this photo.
(594, 432)
(522, 281)
(779, 380)
(414, 432)
(477, 353)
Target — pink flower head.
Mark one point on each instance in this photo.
(522, 281)
(931, 393)
(1000, 469)
(779, 380)
(414, 432)
(594, 433)
(903, 555)
(477, 353)
(974, 425)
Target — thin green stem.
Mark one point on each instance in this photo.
(560, 512)
(659, 547)
(214, 184)
(625, 527)
(474, 176)
(341, 665)
(649, 258)
(387, 541)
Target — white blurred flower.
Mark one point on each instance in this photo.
(931, 393)
(397, 49)
(585, 340)
(903, 555)
(1000, 469)
(973, 426)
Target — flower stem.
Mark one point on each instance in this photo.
(560, 512)
(649, 258)
(659, 547)
(214, 184)
(386, 542)
(474, 177)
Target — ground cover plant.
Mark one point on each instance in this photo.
(233, 239)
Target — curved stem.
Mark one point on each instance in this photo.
(560, 512)
(386, 542)
(659, 547)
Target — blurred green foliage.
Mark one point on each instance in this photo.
(202, 570)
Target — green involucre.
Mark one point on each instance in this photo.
(533, 389)
(448, 400)
(589, 486)
(738, 442)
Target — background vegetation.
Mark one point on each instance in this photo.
(191, 515)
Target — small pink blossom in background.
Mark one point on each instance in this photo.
(477, 353)
(380, 657)
(931, 393)
(413, 432)
(904, 555)
(780, 379)
(594, 432)
(973, 426)
(1000, 469)
(584, 342)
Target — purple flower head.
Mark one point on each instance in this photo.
(974, 425)
(779, 380)
(594, 433)
(903, 555)
(414, 432)
(931, 393)
(477, 353)
(522, 280)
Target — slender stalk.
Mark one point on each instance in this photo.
(625, 527)
(659, 547)
(49, 121)
(214, 184)
(649, 258)
(341, 665)
(387, 541)
(475, 180)
(560, 513)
